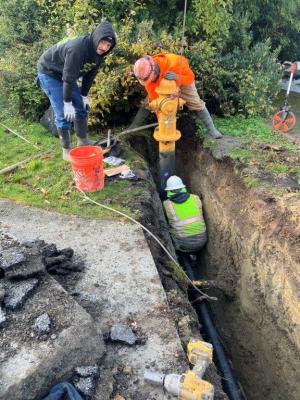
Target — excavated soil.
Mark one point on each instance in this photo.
(253, 255)
(175, 286)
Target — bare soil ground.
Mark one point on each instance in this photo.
(253, 251)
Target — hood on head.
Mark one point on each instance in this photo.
(103, 30)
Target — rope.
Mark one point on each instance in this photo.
(20, 136)
(85, 197)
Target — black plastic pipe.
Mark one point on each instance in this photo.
(202, 307)
(166, 169)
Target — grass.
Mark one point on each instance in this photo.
(47, 182)
(253, 130)
(243, 155)
(261, 149)
(251, 181)
(295, 171)
(278, 168)
(293, 100)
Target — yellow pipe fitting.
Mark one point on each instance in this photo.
(166, 106)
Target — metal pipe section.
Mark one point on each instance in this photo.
(202, 307)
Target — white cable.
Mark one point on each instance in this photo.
(20, 136)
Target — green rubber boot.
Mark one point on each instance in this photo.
(205, 117)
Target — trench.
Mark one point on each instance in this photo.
(264, 359)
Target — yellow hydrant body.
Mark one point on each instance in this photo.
(166, 106)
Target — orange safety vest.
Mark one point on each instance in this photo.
(170, 63)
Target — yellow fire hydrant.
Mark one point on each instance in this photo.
(166, 106)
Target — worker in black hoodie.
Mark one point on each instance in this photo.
(58, 70)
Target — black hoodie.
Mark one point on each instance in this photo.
(68, 60)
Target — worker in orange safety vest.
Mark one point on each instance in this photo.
(150, 70)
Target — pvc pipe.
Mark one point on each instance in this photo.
(108, 138)
(230, 384)
(172, 384)
(155, 378)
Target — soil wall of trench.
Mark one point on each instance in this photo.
(253, 252)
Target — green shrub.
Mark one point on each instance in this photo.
(243, 81)
(233, 75)
(19, 81)
(117, 91)
(277, 20)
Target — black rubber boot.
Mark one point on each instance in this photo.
(205, 117)
(140, 118)
(65, 140)
(81, 130)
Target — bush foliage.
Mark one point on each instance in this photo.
(236, 64)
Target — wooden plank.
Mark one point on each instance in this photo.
(116, 170)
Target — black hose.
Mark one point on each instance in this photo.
(202, 307)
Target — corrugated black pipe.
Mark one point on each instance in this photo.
(202, 307)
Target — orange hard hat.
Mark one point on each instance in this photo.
(143, 69)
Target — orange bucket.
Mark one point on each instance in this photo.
(87, 166)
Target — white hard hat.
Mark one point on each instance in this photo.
(174, 182)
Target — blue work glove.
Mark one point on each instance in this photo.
(86, 103)
(69, 111)
(170, 76)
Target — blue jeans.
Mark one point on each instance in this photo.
(53, 88)
(59, 391)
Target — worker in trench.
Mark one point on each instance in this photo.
(185, 217)
(60, 67)
(150, 70)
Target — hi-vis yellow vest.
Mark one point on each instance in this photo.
(186, 219)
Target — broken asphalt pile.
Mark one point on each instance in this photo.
(42, 348)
